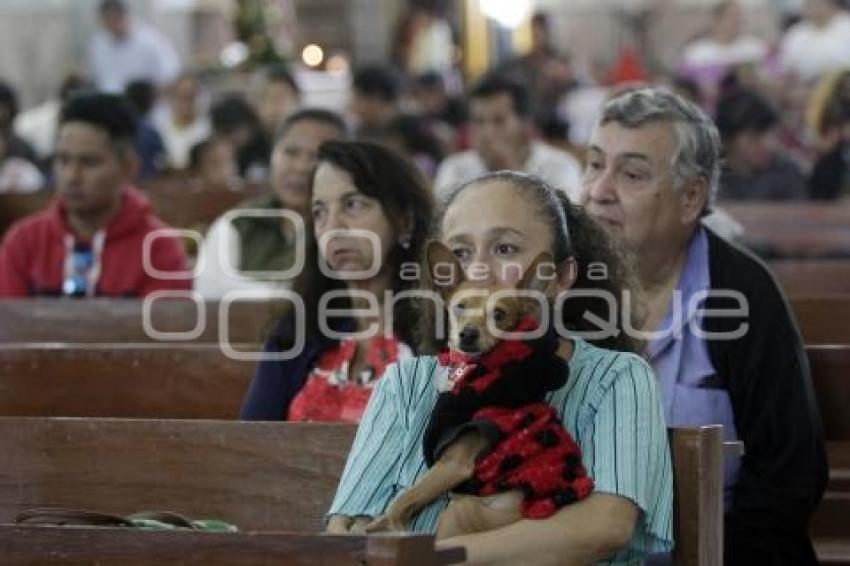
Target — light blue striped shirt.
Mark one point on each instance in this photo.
(610, 404)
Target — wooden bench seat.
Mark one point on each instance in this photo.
(259, 476)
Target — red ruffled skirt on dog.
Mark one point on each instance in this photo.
(502, 396)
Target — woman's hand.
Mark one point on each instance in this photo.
(345, 525)
(579, 534)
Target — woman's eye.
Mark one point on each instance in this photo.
(356, 205)
(633, 176)
(505, 249)
(318, 214)
(594, 166)
(461, 253)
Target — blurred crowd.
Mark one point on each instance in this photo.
(782, 107)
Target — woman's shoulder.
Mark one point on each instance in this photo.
(599, 369)
(416, 370)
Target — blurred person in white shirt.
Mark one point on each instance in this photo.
(818, 44)
(126, 50)
(183, 121)
(724, 47)
(502, 131)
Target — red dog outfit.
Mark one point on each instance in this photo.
(502, 397)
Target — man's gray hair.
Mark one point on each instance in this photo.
(697, 153)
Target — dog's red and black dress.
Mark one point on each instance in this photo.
(502, 396)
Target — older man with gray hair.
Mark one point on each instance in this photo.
(720, 337)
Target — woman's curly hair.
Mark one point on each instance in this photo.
(601, 267)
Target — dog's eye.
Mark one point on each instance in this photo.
(459, 308)
(499, 315)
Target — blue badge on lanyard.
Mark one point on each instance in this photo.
(76, 282)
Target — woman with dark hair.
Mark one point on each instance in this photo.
(609, 403)
(369, 218)
(755, 166)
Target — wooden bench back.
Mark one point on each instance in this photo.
(830, 367)
(822, 319)
(794, 229)
(813, 278)
(175, 201)
(698, 483)
(257, 475)
(199, 381)
(178, 205)
(121, 321)
(192, 382)
(14, 206)
(260, 476)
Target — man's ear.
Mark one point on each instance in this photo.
(539, 274)
(693, 199)
(443, 267)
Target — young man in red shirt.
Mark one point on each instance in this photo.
(90, 240)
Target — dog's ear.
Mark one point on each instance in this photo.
(443, 267)
(539, 274)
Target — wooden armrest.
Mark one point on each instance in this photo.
(733, 448)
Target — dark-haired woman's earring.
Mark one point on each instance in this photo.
(404, 242)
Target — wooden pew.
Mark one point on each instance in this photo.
(259, 476)
(698, 492)
(818, 278)
(831, 375)
(795, 229)
(181, 205)
(822, 319)
(120, 321)
(830, 367)
(60, 545)
(175, 201)
(14, 206)
(773, 213)
(188, 382)
(829, 526)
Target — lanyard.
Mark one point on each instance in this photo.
(71, 280)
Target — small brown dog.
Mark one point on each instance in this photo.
(476, 398)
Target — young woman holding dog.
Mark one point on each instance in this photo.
(356, 187)
(610, 403)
